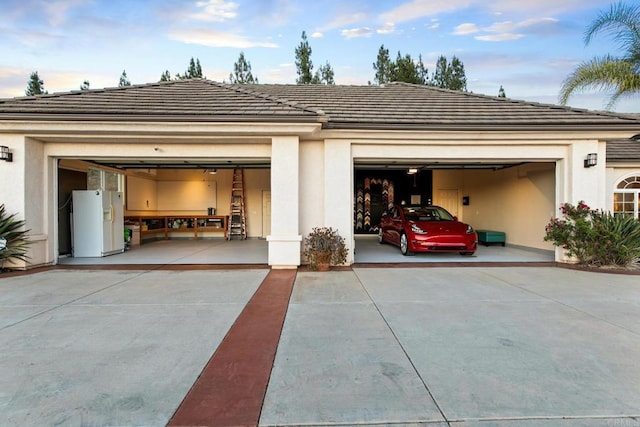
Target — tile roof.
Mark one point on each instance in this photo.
(194, 99)
(623, 151)
(405, 105)
(390, 106)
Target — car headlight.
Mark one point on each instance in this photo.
(417, 229)
(469, 229)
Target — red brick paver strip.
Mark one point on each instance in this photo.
(232, 386)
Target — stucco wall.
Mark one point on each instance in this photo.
(518, 200)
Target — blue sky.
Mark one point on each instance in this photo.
(528, 47)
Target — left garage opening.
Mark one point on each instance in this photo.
(174, 211)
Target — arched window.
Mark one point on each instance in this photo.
(626, 197)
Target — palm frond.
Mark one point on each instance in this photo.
(622, 21)
(605, 73)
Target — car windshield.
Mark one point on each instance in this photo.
(426, 213)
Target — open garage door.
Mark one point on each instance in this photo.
(176, 211)
(513, 197)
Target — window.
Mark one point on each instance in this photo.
(626, 197)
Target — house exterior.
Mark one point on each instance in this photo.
(323, 155)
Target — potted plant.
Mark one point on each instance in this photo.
(324, 247)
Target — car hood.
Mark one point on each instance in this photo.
(441, 226)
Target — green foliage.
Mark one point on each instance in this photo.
(595, 237)
(304, 65)
(383, 67)
(619, 75)
(35, 86)
(501, 92)
(322, 241)
(85, 85)
(406, 69)
(12, 231)
(324, 75)
(449, 75)
(194, 71)
(242, 72)
(124, 80)
(166, 76)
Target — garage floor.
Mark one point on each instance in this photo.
(255, 251)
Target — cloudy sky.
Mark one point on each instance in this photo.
(528, 47)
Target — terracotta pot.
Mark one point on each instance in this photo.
(323, 260)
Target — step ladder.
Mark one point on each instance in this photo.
(237, 228)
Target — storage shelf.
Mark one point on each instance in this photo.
(151, 225)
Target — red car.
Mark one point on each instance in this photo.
(426, 229)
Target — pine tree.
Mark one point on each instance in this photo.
(242, 72)
(407, 70)
(166, 76)
(383, 67)
(449, 75)
(35, 86)
(501, 93)
(304, 66)
(193, 72)
(403, 69)
(458, 78)
(84, 85)
(124, 80)
(324, 75)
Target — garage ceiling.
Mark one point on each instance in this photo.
(218, 163)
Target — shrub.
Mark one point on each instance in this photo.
(595, 237)
(13, 240)
(324, 242)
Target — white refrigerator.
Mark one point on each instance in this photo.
(98, 223)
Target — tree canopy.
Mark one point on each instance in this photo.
(35, 86)
(449, 75)
(242, 72)
(193, 71)
(406, 69)
(619, 74)
(304, 65)
(124, 80)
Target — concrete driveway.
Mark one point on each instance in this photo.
(515, 346)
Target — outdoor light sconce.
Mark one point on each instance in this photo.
(5, 154)
(591, 160)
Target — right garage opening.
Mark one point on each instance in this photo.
(516, 199)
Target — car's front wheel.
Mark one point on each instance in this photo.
(404, 245)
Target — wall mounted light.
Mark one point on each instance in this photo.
(591, 160)
(5, 154)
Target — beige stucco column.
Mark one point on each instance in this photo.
(24, 193)
(285, 238)
(338, 190)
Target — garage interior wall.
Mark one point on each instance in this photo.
(145, 187)
(519, 200)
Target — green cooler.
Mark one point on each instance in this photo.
(487, 237)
